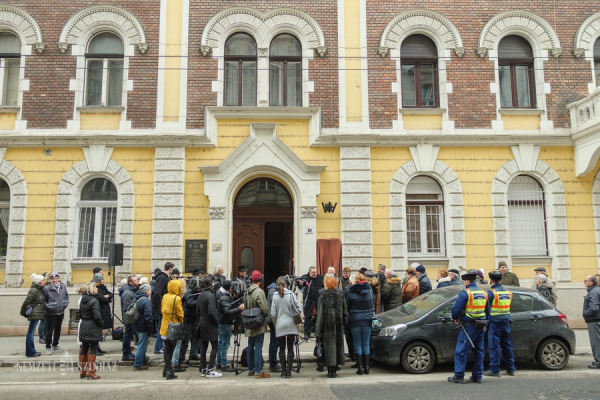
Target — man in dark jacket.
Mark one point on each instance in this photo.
(227, 312)
(310, 294)
(160, 289)
(242, 278)
(143, 326)
(190, 319)
(423, 279)
(455, 278)
(591, 315)
(273, 342)
(208, 323)
(391, 294)
(127, 294)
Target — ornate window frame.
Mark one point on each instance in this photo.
(97, 164)
(263, 27)
(424, 163)
(23, 25)
(526, 163)
(596, 207)
(13, 276)
(586, 36)
(78, 32)
(543, 40)
(442, 32)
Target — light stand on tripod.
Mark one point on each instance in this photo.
(115, 258)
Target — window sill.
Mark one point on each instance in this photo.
(520, 111)
(531, 261)
(422, 111)
(81, 265)
(9, 109)
(100, 110)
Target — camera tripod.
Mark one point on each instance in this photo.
(111, 268)
(298, 359)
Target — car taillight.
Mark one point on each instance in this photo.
(563, 318)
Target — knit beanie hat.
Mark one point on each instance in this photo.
(420, 269)
(145, 288)
(98, 278)
(37, 278)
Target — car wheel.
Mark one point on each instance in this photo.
(418, 358)
(552, 354)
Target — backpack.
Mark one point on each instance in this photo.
(132, 314)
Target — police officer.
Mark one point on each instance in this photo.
(470, 310)
(499, 300)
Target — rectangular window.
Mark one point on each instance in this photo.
(115, 82)
(97, 229)
(597, 71)
(104, 82)
(425, 229)
(232, 78)
(527, 217)
(10, 72)
(249, 83)
(419, 84)
(294, 84)
(516, 85)
(276, 84)
(4, 219)
(409, 93)
(505, 86)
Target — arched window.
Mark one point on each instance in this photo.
(10, 64)
(516, 73)
(285, 59)
(97, 208)
(527, 217)
(597, 60)
(104, 80)
(4, 216)
(418, 56)
(240, 70)
(263, 193)
(425, 217)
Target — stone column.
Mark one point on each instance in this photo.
(357, 238)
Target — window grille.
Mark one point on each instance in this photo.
(425, 230)
(4, 216)
(527, 217)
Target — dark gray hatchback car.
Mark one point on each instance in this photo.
(421, 332)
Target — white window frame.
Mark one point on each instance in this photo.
(6, 205)
(105, 76)
(423, 204)
(99, 207)
(2, 83)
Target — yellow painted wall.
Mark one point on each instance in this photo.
(7, 121)
(173, 47)
(353, 60)
(422, 121)
(103, 121)
(521, 122)
(139, 163)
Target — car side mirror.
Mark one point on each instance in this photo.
(447, 317)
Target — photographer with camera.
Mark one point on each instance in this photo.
(310, 284)
(227, 311)
(208, 326)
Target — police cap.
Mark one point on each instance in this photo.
(495, 275)
(469, 276)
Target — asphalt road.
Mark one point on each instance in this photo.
(26, 381)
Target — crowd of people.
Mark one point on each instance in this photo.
(188, 315)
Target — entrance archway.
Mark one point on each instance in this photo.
(263, 226)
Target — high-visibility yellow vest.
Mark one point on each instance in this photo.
(501, 302)
(475, 307)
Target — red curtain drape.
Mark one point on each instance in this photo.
(329, 252)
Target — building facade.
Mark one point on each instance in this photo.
(451, 134)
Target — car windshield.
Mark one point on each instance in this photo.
(421, 305)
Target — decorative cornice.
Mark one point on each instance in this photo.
(308, 211)
(204, 49)
(425, 21)
(510, 22)
(98, 17)
(586, 35)
(216, 212)
(22, 24)
(263, 27)
(481, 51)
(62, 46)
(40, 47)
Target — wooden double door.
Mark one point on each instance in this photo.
(263, 240)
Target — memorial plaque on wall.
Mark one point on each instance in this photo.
(195, 255)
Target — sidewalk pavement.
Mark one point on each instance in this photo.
(12, 349)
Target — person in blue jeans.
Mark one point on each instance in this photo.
(227, 312)
(127, 294)
(143, 326)
(35, 298)
(360, 315)
(255, 298)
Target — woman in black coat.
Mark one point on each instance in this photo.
(105, 299)
(90, 330)
(208, 322)
(332, 316)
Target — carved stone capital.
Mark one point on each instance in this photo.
(263, 52)
(460, 51)
(556, 51)
(62, 46)
(383, 51)
(143, 47)
(481, 51)
(40, 47)
(308, 211)
(321, 50)
(204, 49)
(216, 212)
(578, 52)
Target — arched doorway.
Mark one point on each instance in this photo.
(263, 222)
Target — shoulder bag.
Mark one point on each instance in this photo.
(175, 331)
(252, 318)
(295, 311)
